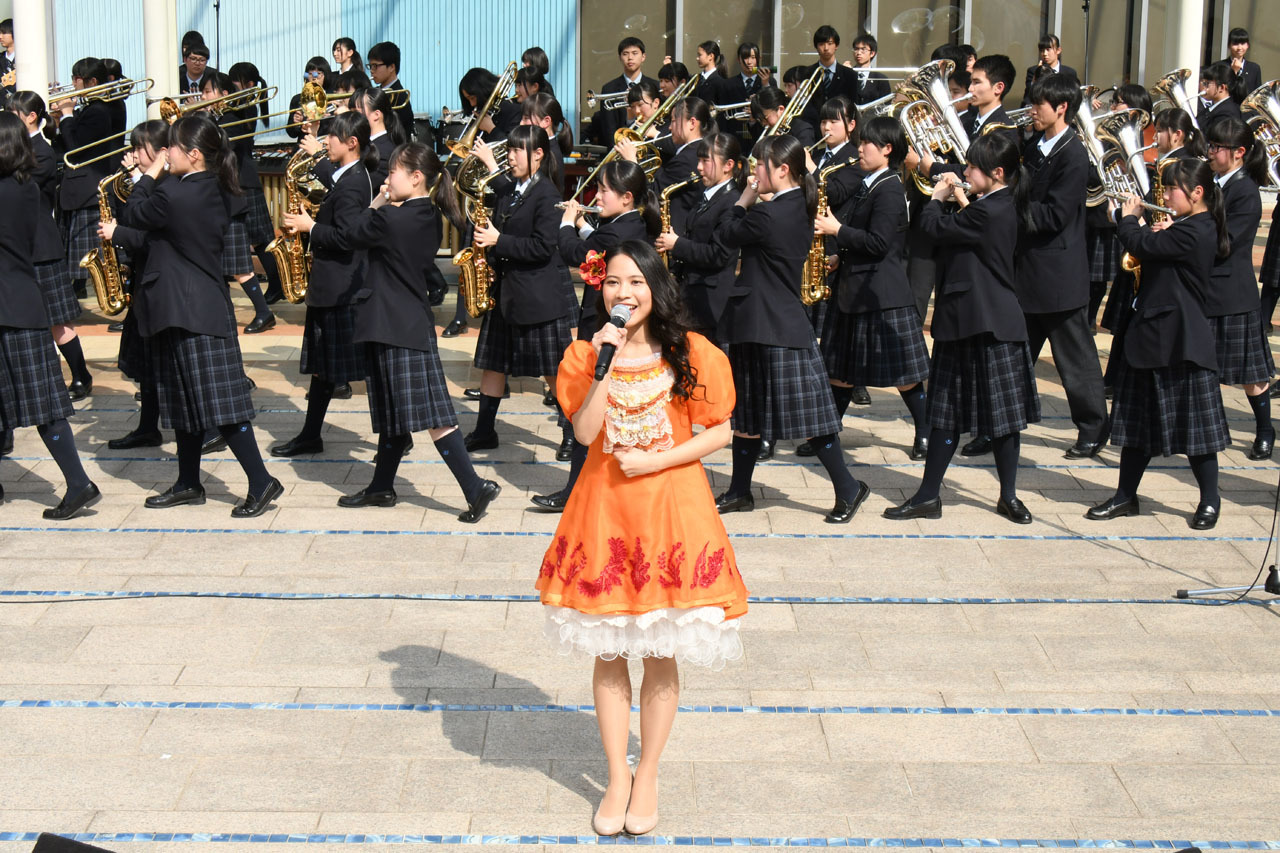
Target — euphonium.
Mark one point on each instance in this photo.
(302, 190)
(813, 284)
(1172, 90)
(665, 208)
(461, 147)
(102, 263)
(470, 179)
(475, 276)
(1115, 149)
(929, 118)
(1264, 104)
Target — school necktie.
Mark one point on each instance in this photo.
(826, 158)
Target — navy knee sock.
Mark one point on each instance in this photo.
(453, 450)
(188, 458)
(745, 452)
(254, 293)
(942, 446)
(1205, 469)
(61, 443)
(74, 354)
(149, 413)
(915, 398)
(827, 449)
(1006, 449)
(244, 447)
(843, 397)
(1133, 464)
(387, 461)
(318, 399)
(488, 414)
(1261, 405)
(575, 466)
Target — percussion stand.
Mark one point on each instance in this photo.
(1085, 9)
(1272, 584)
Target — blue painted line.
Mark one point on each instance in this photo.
(638, 841)
(800, 710)
(518, 598)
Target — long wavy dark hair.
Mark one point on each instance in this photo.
(668, 320)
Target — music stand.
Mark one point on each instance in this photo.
(1085, 8)
(1271, 585)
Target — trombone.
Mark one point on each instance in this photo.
(116, 90)
(399, 97)
(609, 101)
(313, 104)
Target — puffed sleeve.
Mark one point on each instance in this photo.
(713, 402)
(574, 378)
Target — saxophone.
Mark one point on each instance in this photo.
(813, 284)
(665, 208)
(1128, 262)
(475, 276)
(302, 191)
(102, 264)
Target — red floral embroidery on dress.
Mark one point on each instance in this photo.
(706, 571)
(639, 567)
(548, 567)
(610, 575)
(669, 566)
(577, 562)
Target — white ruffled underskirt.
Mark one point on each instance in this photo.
(697, 635)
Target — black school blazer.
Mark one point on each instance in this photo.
(392, 307)
(871, 242)
(526, 256)
(21, 305)
(336, 266)
(1233, 285)
(1052, 261)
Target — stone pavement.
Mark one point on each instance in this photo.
(740, 770)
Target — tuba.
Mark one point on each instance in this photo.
(1264, 104)
(665, 208)
(469, 181)
(302, 191)
(1172, 90)
(813, 282)
(1114, 145)
(929, 118)
(102, 263)
(475, 276)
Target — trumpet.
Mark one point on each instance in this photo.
(740, 111)
(116, 90)
(581, 209)
(1155, 208)
(610, 101)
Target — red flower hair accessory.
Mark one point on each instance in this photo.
(592, 269)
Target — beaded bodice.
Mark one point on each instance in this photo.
(636, 412)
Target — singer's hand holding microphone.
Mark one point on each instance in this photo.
(612, 335)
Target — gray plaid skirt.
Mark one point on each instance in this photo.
(1168, 410)
(1244, 355)
(982, 386)
(199, 379)
(236, 259)
(407, 390)
(59, 293)
(817, 313)
(32, 391)
(257, 222)
(1270, 275)
(570, 296)
(519, 350)
(80, 236)
(1104, 253)
(134, 359)
(782, 392)
(880, 349)
(329, 349)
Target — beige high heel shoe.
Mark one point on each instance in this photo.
(609, 826)
(640, 825)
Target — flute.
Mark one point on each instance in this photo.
(814, 147)
(1123, 197)
(581, 209)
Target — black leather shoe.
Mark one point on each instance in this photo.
(455, 328)
(297, 446)
(1083, 449)
(213, 445)
(273, 296)
(804, 448)
(78, 390)
(861, 397)
(1206, 518)
(252, 506)
(475, 509)
(71, 504)
(766, 451)
(480, 442)
(549, 397)
(565, 451)
(928, 509)
(136, 439)
(342, 391)
(980, 446)
(260, 324)
(364, 497)
(1014, 510)
(1112, 508)
(742, 503)
(554, 502)
(474, 393)
(844, 510)
(174, 496)
(115, 327)
(1262, 447)
(6, 442)
(919, 448)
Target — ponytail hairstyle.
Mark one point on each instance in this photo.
(16, 156)
(623, 176)
(544, 105)
(1233, 133)
(536, 58)
(153, 134)
(696, 109)
(530, 138)
(768, 98)
(25, 102)
(349, 44)
(1189, 174)
(368, 100)
(883, 130)
(352, 124)
(714, 49)
(842, 109)
(1178, 119)
(726, 147)
(199, 132)
(246, 74)
(1135, 97)
(668, 320)
(993, 151)
(220, 82)
(416, 157)
(777, 151)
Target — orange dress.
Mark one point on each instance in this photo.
(642, 566)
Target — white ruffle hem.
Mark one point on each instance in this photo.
(697, 635)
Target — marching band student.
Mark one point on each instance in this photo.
(1247, 74)
(184, 309)
(345, 55)
(690, 122)
(742, 86)
(529, 81)
(628, 211)
(643, 100)
(703, 264)
(671, 76)
(8, 61)
(528, 329)
(989, 82)
(118, 110)
(777, 369)
(873, 334)
(1216, 80)
(713, 85)
(535, 59)
(767, 108)
(385, 132)
(384, 70)
(981, 379)
(59, 294)
(543, 110)
(329, 351)
(1239, 164)
(869, 85)
(836, 78)
(1167, 397)
(631, 56)
(316, 71)
(31, 389)
(195, 70)
(1050, 63)
(474, 89)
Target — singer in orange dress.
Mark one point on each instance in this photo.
(640, 566)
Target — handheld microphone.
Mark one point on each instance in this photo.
(618, 317)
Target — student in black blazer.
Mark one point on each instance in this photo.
(316, 71)
(1050, 63)
(184, 309)
(1052, 270)
(690, 121)
(474, 90)
(1247, 75)
(740, 88)
(1218, 105)
(194, 70)
(631, 56)
(868, 85)
(777, 369)
(1167, 397)
(31, 389)
(329, 352)
(836, 78)
(767, 108)
(873, 334)
(713, 78)
(1239, 163)
(982, 379)
(703, 264)
(384, 70)
(989, 82)
(628, 211)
